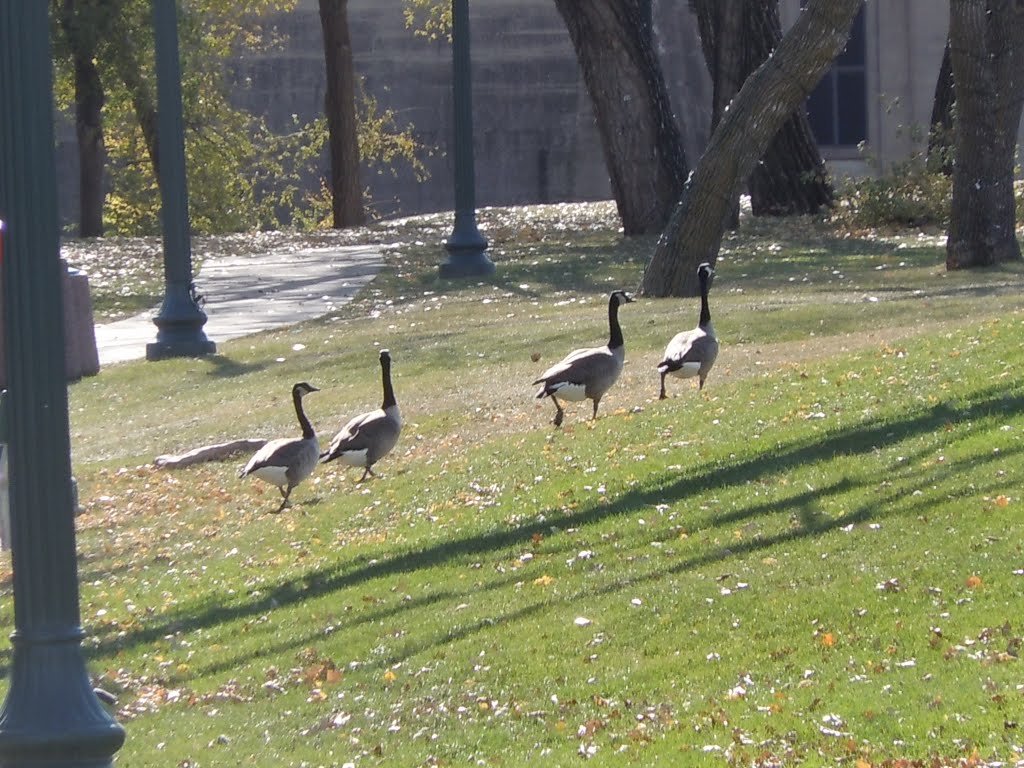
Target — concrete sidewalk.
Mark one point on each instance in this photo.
(249, 294)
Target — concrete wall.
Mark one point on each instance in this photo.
(534, 133)
(535, 138)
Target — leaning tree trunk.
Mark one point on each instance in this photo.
(791, 178)
(766, 100)
(124, 58)
(940, 131)
(340, 106)
(987, 54)
(720, 24)
(642, 144)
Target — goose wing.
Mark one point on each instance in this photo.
(579, 368)
(374, 432)
(283, 452)
(689, 347)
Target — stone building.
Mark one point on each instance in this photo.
(535, 138)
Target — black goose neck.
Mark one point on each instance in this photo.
(705, 310)
(389, 391)
(615, 339)
(307, 428)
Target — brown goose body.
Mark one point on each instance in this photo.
(369, 437)
(587, 374)
(287, 461)
(693, 353)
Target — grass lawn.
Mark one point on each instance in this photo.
(816, 560)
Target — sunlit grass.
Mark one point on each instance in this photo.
(816, 560)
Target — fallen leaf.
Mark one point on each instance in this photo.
(974, 581)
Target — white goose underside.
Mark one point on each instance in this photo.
(688, 370)
(566, 390)
(273, 475)
(353, 458)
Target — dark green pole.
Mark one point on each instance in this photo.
(51, 716)
(180, 321)
(466, 246)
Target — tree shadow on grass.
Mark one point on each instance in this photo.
(852, 441)
(223, 367)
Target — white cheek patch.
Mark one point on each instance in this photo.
(273, 475)
(688, 370)
(354, 458)
(571, 392)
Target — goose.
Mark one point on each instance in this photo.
(587, 373)
(369, 437)
(692, 353)
(287, 461)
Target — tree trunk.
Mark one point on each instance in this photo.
(940, 131)
(720, 24)
(340, 106)
(791, 178)
(79, 30)
(642, 144)
(767, 99)
(124, 58)
(987, 56)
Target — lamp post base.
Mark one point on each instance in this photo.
(51, 716)
(165, 350)
(180, 325)
(467, 265)
(466, 250)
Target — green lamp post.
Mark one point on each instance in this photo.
(180, 320)
(51, 716)
(466, 246)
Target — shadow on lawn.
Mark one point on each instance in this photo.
(223, 367)
(849, 442)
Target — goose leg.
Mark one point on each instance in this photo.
(284, 501)
(366, 472)
(662, 396)
(596, 401)
(559, 412)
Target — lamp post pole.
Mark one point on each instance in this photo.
(465, 245)
(51, 716)
(180, 320)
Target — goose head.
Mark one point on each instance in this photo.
(303, 388)
(618, 298)
(705, 274)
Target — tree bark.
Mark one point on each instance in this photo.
(940, 131)
(78, 23)
(340, 106)
(765, 102)
(720, 24)
(123, 56)
(791, 178)
(987, 57)
(642, 144)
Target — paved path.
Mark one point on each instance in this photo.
(248, 294)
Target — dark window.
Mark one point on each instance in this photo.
(837, 108)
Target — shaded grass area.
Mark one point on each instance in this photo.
(817, 560)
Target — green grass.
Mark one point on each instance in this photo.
(816, 561)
